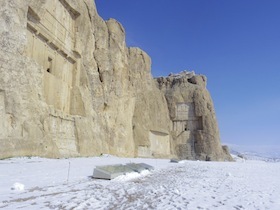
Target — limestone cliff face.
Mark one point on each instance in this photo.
(151, 122)
(195, 131)
(69, 86)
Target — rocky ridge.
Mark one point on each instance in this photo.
(69, 86)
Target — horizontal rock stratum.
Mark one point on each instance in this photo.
(69, 86)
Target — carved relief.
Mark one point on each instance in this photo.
(185, 125)
(63, 134)
(184, 111)
(51, 41)
(185, 118)
(160, 144)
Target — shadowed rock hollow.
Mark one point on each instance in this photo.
(69, 86)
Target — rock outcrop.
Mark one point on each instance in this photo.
(69, 86)
(195, 131)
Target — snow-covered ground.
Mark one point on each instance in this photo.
(37, 183)
(267, 153)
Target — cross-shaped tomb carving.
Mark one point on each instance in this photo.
(51, 43)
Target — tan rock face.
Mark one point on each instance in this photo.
(69, 86)
(195, 131)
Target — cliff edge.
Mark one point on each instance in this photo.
(69, 86)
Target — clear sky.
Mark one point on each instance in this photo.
(235, 43)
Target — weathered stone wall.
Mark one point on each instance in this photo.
(195, 131)
(69, 86)
(151, 111)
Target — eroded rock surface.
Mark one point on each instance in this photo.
(69, 86)
(195, 131)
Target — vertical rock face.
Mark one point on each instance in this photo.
(69, 86)
(194, 127)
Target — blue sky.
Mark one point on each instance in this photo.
(235, 43)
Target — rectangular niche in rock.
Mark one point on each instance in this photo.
(64, 136)
(160, 143)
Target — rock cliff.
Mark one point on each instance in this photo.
(195, 131)
(69, 86)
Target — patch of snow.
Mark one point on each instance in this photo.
(251, 184)
(228, 174)
(268, 153)
(107, 155)
(17, 187)
(184, 73)
(131, 176)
